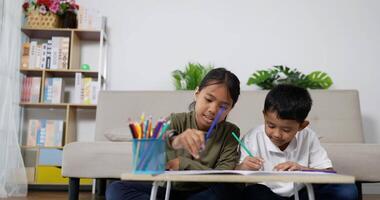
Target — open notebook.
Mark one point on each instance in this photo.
(247, 172)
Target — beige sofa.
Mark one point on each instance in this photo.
(335, 116)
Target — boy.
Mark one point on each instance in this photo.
(285, 143)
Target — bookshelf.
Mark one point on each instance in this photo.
(43, 161)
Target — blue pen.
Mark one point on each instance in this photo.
(216, 119)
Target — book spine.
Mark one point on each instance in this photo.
(78, 88)
(49, 133)
(38, 56)
(43, 56)
(25, 55)
(87, 90)
(54, 53)
(32, 133)
(35, 89)
(94, 92)
(32, 54)
(64, 49)
(48, 53)
(57, 90)
(58, 132)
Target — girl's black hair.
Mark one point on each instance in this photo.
(289, 102)
(221, 76)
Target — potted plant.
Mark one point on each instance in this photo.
(46, 13)
(267, 79)
(191, 77)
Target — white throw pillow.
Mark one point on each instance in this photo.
(118, 134)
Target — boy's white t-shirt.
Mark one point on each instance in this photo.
(305, 149)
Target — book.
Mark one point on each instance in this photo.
(48, 54)
(35, 90)
(31, 89)
(247, 172)
(86, 90)
(54, 52)
(34, 125)
(64, 53)
(32, 54)
(57, 91)
(43, 132)
(43, 56)
(25, 55)
(78, 88)
(53, 90)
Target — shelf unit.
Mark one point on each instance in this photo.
(66, 110)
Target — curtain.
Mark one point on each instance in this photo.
(13, 180)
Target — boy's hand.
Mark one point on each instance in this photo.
(251, 163)
(173, 164)
(191, 140)
(289, 166)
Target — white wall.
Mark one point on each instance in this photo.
(149, 39)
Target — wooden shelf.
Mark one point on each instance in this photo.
(31, 72)
(69, 113)
(71, 72)
(47, 33)
(58, 105)
(83, 106)
(59, 72)
(41, 147)
(44, 105)
(88, 34)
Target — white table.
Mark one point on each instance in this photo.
(307, 178)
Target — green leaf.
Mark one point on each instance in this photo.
(191, 77)
(319, 80)
(267, 79)
(263, 78)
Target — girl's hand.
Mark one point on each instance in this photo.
(251, 163)
(191, 140)
(173, 164)
(289, 166)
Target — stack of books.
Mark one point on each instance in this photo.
(53, 54)
(31, 89)
(54, 90)
(47, 133)
(85, 89)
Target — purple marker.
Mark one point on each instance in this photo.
(216, 119)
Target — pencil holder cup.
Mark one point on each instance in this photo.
(149, 156)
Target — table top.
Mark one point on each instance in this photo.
(238, 178)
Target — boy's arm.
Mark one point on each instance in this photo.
(318, 156)
(318, 159)
(246, 162)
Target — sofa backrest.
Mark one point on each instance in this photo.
(335, 114)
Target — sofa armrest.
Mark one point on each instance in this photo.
(96, 159)
(357, 159)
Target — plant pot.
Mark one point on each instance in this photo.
(69, 20)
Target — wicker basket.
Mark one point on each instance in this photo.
(38, 20)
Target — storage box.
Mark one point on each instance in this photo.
(51, 157)
(49, 175)
(149, 156)
(38, 20)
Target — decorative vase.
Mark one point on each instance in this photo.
(69, 20)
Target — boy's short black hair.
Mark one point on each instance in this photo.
(289, 102)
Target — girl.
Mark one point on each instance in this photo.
(187, 148)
